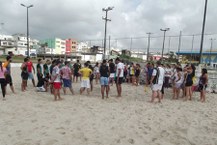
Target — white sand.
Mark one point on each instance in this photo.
(33, 118)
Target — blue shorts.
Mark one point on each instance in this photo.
(30, 75)
(67, 83)
(104, 81)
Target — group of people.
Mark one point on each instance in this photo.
(179, 78)
(59, 74)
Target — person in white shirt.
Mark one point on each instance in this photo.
(179, 78)
(157, 80)
(56, 81)
(119, 76)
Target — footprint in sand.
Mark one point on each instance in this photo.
(118, 141)
(33, 121)
(131, 141)
(164, 133)
(51, 142)
(148, 128)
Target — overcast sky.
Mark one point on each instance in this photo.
(82, 20)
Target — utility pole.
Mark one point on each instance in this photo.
(203, 29)
(164, 30)
(149, 43)
(169, 45)
(131, 43)
(106, 19)
(109, 46)
(180, 41)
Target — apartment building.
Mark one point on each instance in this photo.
(71, 45)
(56, 45)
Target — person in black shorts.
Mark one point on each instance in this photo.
(76, 68)
(189, 81)
(7, 65)
(112, 71)
(137, 73)
(119, 76)
(2, 79)
(24, 75)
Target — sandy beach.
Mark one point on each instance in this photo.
(33, 118)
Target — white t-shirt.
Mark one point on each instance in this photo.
(96, 69)
(161, 75)
(121, 67)
(168, 72)
(56, 71)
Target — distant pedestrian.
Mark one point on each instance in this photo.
(189, 82)
(119, 76)
(56, 81)
(24, 74)
(168, 73)
(132, 73)
(112, 72)
(137, 73)
(104, 79)
(31, 70)
(7, 65)
(85, 82)
(76, 68)
(91, 76)
(53, 64)
(41, 81)
(203, 81)
(96, 72)
(157, 82)
(3, 72)
(66, 74)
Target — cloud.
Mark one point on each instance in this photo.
(82, 19)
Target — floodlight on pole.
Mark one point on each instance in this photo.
(106, 20)
(27, 7)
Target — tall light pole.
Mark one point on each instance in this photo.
(106, 19)
(211, 41)
(131, 43)
(203, 29)
(27, 8)
(164, 30)
(149, 43)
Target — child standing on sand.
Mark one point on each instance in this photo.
(24, 75)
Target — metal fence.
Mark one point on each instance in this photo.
(187, 42)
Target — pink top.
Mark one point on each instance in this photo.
(66, 72)
(2, 73)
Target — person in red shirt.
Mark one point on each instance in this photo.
(30, 67)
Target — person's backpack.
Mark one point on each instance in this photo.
(155, 80)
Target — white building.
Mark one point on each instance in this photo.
(82, 47)
(7, 43)
(21, 44)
